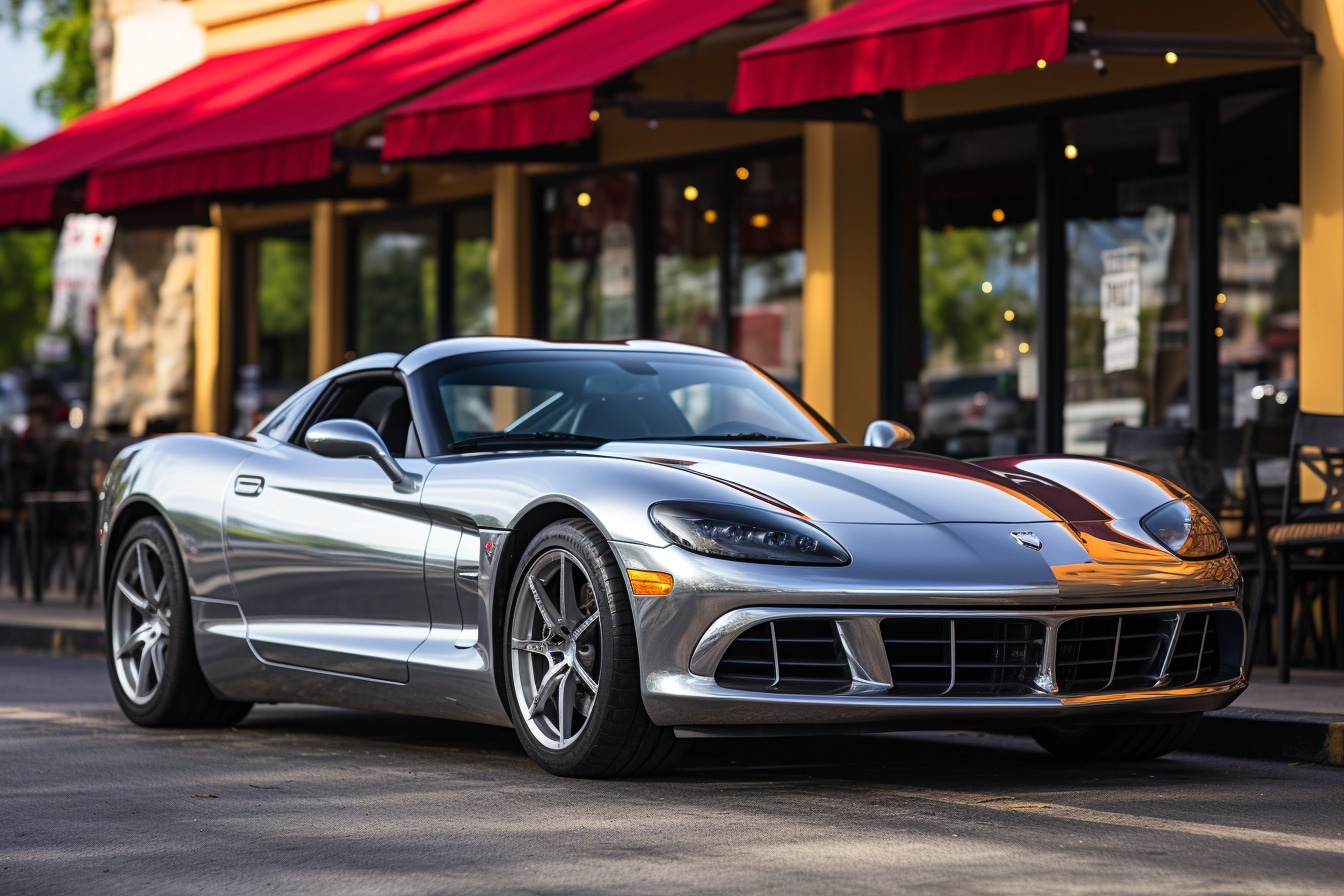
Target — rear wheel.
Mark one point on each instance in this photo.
(151, 655)
(571, 666)
(1112, 742)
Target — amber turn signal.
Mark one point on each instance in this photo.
(655, 584)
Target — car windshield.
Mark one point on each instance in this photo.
(600, 395)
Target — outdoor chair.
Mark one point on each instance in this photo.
(1237, 474)
(1308, 541)
(1158, 449)
(13, 516)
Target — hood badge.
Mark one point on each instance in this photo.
(1028, 540)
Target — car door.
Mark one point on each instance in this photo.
(326, 556)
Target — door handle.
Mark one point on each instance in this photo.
(248, 485)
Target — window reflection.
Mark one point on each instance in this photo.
(473, 272)
(396, 284)
(592, 257)
(1259, 242)
(1127, 239)
(273, 322)
(768, 320)
(690, 238)
(978, 290)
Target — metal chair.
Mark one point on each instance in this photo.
(1243, 498)
(1309, 539)
(1158, 449)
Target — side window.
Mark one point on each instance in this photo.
(378, 399)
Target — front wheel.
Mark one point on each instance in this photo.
(1118, 742)
(150, 652)
(571, 665)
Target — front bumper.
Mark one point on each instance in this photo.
(684, 636)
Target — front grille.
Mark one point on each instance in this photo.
(1195, 658)
(962, 657)
(801, 656)
(1111, 653)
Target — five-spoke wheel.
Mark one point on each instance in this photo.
(571, 665)
(141, 620)
(151, 654)
(556, 649)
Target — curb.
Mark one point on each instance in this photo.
(53, 641)
(1264, 734)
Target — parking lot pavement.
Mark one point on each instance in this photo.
(311, 800)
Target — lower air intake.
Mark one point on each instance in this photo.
(798, 656)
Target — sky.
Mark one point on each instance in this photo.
(22, 68)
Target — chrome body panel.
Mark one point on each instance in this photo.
(316, 580)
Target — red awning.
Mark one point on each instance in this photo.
(873, 46)
(29, 177)
(288, 136)
(543, 94)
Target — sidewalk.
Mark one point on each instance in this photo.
(1298, 722)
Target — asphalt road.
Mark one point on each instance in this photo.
(304, 800)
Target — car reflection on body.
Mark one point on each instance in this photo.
(615, 547)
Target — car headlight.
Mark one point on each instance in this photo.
(1186, 530)
(746, 533)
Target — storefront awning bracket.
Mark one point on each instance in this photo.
(1296, 42)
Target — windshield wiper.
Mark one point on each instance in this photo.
(723, 437)
(527, 438)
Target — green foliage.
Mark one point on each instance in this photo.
(25, 282)
(956, 312)
(65, 27)
(395, 291)
(474, 287)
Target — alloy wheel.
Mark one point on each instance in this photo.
(141, 621)
(555, 648)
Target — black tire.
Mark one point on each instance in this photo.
(172, 691)
(1118, 742)
(616, 737)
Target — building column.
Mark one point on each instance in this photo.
(841, 298)
(513, 251)
(1321, 360)
(326, 345)
(209, 413)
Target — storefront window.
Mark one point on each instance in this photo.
(1259, 240)
(396, 284)
(690, 240)
(473, 272)
(978, 291)
(273, 322)
(592, 257)
(1126, 196)
(768, 319)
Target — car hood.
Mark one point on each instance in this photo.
(852, 484)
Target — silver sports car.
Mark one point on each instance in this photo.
(615, 547)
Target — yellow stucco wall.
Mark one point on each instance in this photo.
(1322, 273)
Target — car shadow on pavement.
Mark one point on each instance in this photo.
(960, 759)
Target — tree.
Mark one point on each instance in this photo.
(65, 27)
(25, 282)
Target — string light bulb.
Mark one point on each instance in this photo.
(1171, 57)
(594, 115)
(584, 200)
(1040, 64)
(1070, 151)
(691, 193)
(997, 215)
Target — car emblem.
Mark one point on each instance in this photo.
(1028, 540)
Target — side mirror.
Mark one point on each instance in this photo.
(888, 434)
(355, 438)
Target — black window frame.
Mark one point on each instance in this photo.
(724, 162)
(900, 274)
(445, 219)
